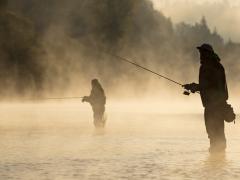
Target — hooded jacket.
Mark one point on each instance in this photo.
(212, 81)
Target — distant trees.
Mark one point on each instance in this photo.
(20, 70)
(192, 35)
(127, 27)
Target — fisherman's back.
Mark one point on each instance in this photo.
(213, 86)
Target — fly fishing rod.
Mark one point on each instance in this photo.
(146, 69)
(62, 98)
(186, 92)
(55, 98)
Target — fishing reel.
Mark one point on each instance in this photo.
(190, 88)
(186, 92)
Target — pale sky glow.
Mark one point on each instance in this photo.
(222, 14)
(232, 3)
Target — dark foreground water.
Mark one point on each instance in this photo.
(47, 142)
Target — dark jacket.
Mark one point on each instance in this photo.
(97, 97)
(213, 85)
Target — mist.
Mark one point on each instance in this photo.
(192, 11)
(50, 50)
(69, 44)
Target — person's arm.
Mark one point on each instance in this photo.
(86, 99)
(204, 82)
(91, 97)
(193, 87)
(205, 79)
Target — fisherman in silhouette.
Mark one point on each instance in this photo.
(214, 94)
(97, 99)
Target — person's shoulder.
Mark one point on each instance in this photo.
(220, 66)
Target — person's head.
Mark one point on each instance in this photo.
(206, 51)
(96, 84)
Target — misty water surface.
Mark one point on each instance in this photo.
(58, 142)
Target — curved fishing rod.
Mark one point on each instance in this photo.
(186, 92)
(144, 68)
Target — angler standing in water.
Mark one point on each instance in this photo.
(97, 99)
(214, 94)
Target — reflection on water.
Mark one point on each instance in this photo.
(63, 145)
(217, 161)
(215, 166)
(99, 132)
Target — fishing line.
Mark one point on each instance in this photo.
(54, 98)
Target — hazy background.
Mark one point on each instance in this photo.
(55, 47)
(222, 14)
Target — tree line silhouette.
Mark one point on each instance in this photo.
(35, 37)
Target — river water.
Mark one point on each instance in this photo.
(59, 142)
